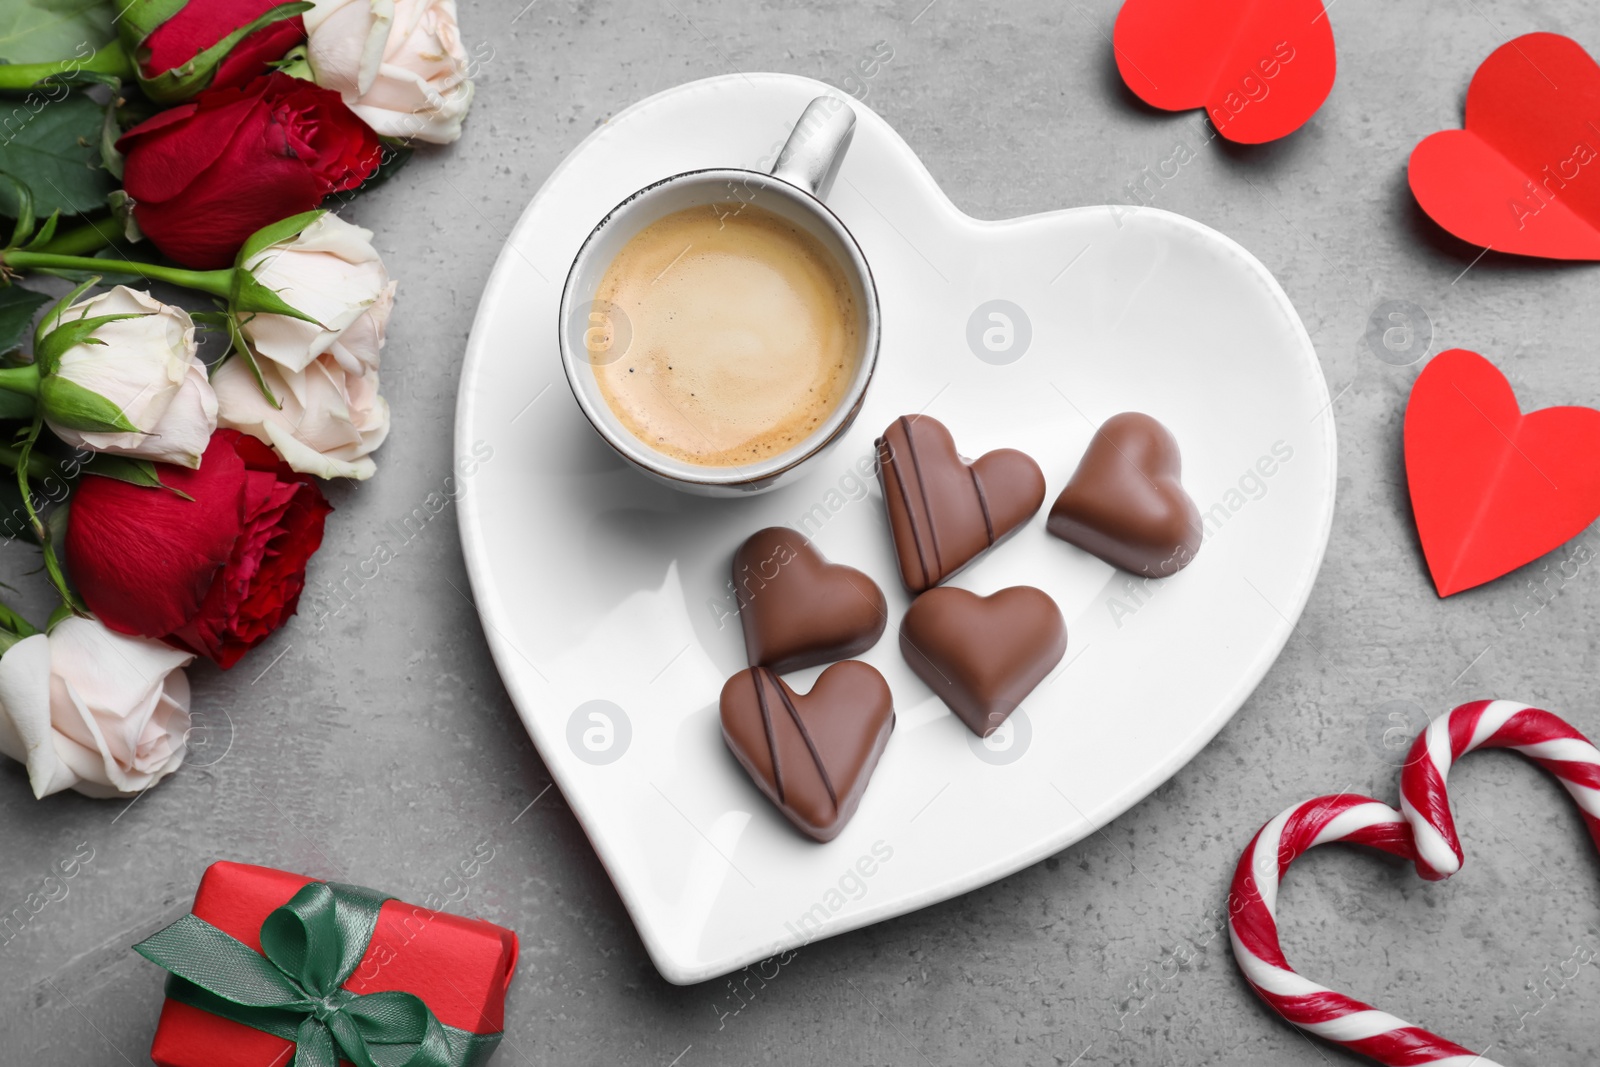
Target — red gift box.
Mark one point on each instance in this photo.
(459, 967)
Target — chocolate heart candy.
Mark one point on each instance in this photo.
(943, 511)
(797, 609)
(983, 655)
(810, 754)
(1125, 502)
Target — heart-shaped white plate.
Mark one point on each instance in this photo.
(605, 598)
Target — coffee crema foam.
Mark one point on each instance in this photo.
(744, 335)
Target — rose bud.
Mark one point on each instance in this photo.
(308, 382)
(399, 64)
(118, 372)
(205, 175)
(93, 711)
(180, 48)
(326, 274)
(331, 416)
(215, 573)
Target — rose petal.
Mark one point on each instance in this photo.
(25, 731)
(144, 558)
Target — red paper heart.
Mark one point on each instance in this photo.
(1260, 68)
(1492, 488)
(1524, 175)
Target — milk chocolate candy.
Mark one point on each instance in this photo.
(797, 609)
(1126, 504)
(811, 754)
(982, 655)
(943, 511)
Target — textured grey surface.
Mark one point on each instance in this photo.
(379, 746)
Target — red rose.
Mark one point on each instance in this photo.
(198, 25)
(215, 574)
(205, 175)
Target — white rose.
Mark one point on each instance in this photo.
(331, 419)
(399, 64)
(331, 272)
(147, 368)
(91, 710)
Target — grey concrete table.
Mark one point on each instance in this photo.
(371, 740)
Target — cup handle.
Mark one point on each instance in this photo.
(815, 143)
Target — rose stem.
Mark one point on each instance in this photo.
(24, 380)
(90, 237)
(39, 467)
(52, 565)
(107, 59)
(215, 282)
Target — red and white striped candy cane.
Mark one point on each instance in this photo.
(1424, 832)
(1549, 741)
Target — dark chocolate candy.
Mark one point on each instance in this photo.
(983, 655)
(943, 511)
(1125, 502)
(810, 754)
(797, 609)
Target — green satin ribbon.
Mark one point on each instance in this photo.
(294, 988)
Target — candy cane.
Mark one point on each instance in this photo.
(1422, 831)
(1542, 737)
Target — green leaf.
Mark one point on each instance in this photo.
(140, 472)
(239, 348)
(15, 406)
(24, 216)
(52, 318)
(14, 627)
(38, 31)
(66, 403)
(138, 19)
(111, 132)
(46, 232)
(17, 308)
(54, 551)
(279, 231)
(56, 151)
(250, 296)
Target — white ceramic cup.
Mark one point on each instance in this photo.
(791, 191)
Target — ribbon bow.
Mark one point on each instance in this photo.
(294, 988)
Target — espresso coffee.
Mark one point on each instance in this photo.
(741, 335)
